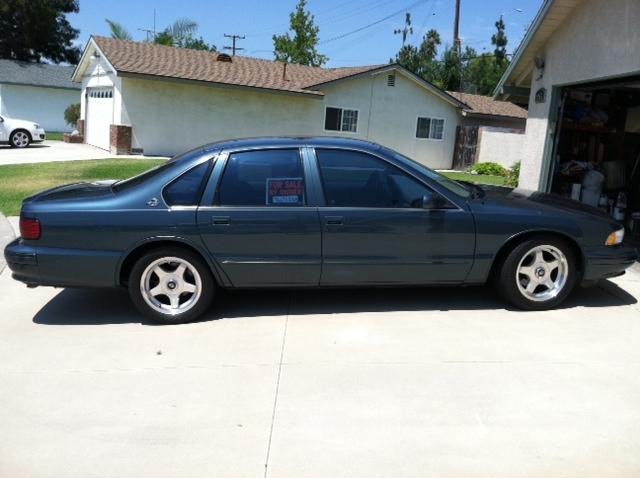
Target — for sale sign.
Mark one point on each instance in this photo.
(285, 192)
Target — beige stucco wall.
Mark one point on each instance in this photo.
(170, 117)
(599, 40)
(500, 145)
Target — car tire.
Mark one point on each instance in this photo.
(538, 273)
(19, 138)
(171, 285)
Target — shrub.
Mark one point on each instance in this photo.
(72, 114)
(513, 175)
(491, 169)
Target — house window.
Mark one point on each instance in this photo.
(430, 128)
(341, 119)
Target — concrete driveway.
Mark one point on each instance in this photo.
(48, 151)
(381, 383)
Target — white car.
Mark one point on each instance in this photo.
(20, 133)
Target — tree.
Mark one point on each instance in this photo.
(499, 39)
(429, 46)
(300, 49)
(34, 30)
(181, 34)
(72, 114)
(117, 30)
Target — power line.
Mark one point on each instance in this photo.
(233, 48)
(344, 35)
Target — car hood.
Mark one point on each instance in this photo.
(76, 191)
(19, 123)
(539, 200)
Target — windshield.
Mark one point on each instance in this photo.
(453, 186)
(125, 184)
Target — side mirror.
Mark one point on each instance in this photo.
(432, 201)
(1, 119)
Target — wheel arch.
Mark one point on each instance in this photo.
(132, 256)
(21, 129)
(516, 239)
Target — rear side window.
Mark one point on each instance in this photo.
(355, 179)
(186, 189)
(272, 177)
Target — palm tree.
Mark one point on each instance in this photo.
(117, 30)
(177, 33)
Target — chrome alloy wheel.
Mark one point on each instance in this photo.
(20, 139)
(542, 273)
(171, 285)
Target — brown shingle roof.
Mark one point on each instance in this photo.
(486, 105)
(167, 61)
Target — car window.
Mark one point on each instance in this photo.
(186, 189)
(453, 186)
(271, 177)
(355, 179)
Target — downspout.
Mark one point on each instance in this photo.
(370, 106)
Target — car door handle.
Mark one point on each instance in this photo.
(220, 220)
(334, 220)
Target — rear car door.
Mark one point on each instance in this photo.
(376, 230)
(260, 227)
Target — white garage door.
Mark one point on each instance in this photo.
(99, 116)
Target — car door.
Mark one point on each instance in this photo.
(381, 225)
(4, 134)
(260, 227)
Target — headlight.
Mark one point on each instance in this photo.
(615, 238)
(36, 126)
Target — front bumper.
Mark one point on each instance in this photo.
(602, 262)
(38, 135)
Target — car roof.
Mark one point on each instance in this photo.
(293, 141)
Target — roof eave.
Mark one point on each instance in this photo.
(173, 79)
(531, 32)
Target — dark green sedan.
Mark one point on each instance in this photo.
(307, 212)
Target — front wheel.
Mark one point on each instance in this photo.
(171, 286)
(537, 274)
(19, 139)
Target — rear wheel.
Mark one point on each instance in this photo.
(538, 273)
(19, 139)
(171, 286)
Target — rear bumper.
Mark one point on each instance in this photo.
(23, 262)
(603, 262)
(61, 267)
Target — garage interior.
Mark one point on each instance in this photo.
(597, 150)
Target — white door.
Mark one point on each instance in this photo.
(99, 116)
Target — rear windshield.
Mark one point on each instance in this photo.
(174, 162)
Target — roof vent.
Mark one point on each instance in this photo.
(391, 80)
(224, 58)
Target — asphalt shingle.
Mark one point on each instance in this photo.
(165, 61)
(37, 74)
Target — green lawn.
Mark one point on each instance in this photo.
(475, 178)
(21, 180)
(54, 136)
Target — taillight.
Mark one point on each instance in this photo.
(30, 228)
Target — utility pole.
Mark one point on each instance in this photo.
(234, 48)
(456, 30)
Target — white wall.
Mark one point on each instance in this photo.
(169, 117)
(44, 106)
(388, 116)
(100, 74)
(500, 145)
(598, 40)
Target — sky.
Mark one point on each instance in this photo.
(259, 20)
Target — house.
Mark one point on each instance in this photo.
(578, 68)
(37, 92)
(157, 99)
